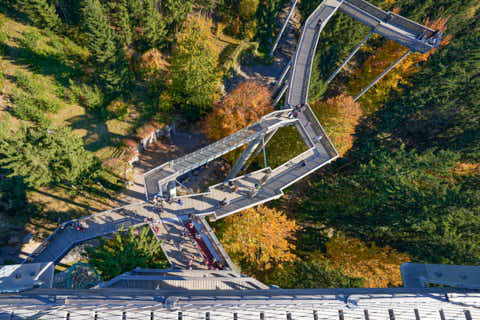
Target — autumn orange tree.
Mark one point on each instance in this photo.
(259, 239)
(383, 57)
(380, 267)
(339, 115)
(243, 106)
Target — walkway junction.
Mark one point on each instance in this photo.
(203, 283)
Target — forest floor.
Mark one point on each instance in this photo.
(268, 74)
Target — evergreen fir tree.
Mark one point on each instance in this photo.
(135, 10)
(176, 11)
(154, 25)
(106, 48)
(45, 156)
(126, 251)
(124, 23)
(42, 14)
(101, 42)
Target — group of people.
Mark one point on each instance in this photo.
(296, 110)
(159, 201)
(74, 225)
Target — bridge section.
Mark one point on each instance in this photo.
(171, 170)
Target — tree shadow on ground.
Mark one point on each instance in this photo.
(48, 65)
(97, 134)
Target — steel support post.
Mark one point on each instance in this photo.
(350, 57)
(270, 136)
(382, 75)
(279, 36)
(244, 157)
(280, 95)
(264, 153)
(282, 77)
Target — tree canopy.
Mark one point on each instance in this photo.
(259, 239)
(312, 274)
(193, 73)
(126, 251)
(105, 48)
(45, 156)
(244, 105)
(413, 202)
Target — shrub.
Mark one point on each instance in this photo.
(27, 82)
(30, 40)
(3, 35)
(27, 109)
(91, 98)
(47, 105)
(117, 109)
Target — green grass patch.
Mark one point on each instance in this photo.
(285, 145)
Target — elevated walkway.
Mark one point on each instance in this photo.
(74, 232)
(184, 280)
(175, 168)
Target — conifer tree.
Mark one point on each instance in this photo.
(135, 11)
(101, 42)
(193, 73)
(126, 251)
(123, 22)
(176, 12)
(154, 25)
(45, 156)
(106, 48)
(42, 14)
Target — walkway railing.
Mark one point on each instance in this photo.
(284, 26)
(63, 227)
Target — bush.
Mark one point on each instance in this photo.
(27, 82)
(27, 109)
(3, 35)
(47, 105)
(30, 40)
(31, 85)
(117, 109)
(91, 98)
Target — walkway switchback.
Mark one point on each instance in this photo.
(245, 191)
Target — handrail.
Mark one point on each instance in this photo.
(61, 226)
(218, 245)
(314, 122)
(284, 26)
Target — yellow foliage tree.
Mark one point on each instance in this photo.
(339, 115)
(240, 108)
(381, 60)
(151, 65)
(380, 267)
(247, 8)
(259, 239)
